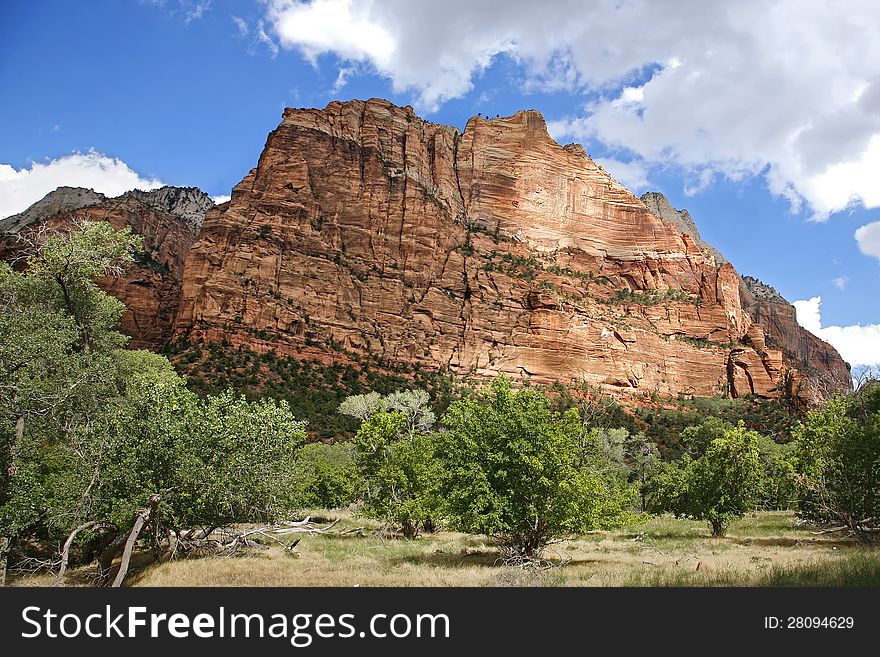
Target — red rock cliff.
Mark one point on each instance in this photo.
(493, 250)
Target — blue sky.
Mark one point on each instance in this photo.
(761, 118)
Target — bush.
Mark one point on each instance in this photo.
(399, 471)
(837, 461)
(718, 486)
(512, 470)
(325, 476)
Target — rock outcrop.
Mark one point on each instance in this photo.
(62, 200)
(364, 228)
(820, 368)
(169, 219)
(681, 219)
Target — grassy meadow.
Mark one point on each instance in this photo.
(761, 549)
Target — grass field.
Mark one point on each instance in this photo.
(763, 549)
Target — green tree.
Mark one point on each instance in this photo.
(643, 458)
(718, 486)
(91, 431)
(512, 469)
(58, 354)
(837, 461)
(399, 471)
(326, 476)
(778, 490)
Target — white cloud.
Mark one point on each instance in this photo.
(220, 198)
(784, 89)
(242, 25)
(189, 10)
(20, 188)
(342, 79)
(193, 11)
(868, 238)
(263, 37)
(857, 344)
(335, 26)
(840, 282)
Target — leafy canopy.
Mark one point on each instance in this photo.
(513, 470)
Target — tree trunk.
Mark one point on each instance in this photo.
(139, 523)
(125, 543)
(65, 552)
(409, 528)
(4, 556)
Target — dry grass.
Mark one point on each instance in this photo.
(762, 549)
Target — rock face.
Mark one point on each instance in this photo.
(63, 199)
(681, 219)
(169, 219)
(822, 370)
(364, 228)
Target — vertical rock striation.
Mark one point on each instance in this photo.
(365, 228)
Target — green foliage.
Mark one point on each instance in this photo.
(699, 438)
(59, 352)
(64, 268)
(653, 297)
(90, 430)
(597, 408)
(643, 463)
(313, 390)
(778, 490)
(718, 486)
(837, 461)
(512, 469)
(398, 468)
(415, 405)
(326, 476)
(666, 425)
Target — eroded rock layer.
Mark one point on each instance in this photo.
(364, 228)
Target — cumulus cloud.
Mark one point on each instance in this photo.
(840, 282)
(868, 238)
(220, 198)
(783, 89)
(21, 188)
(859, 345)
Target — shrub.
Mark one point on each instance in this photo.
(512, 470)
(325, 476)
(398, 469)
(719, 485)
(837, 461)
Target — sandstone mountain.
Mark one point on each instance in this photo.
(826, 371)
(364, 229)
